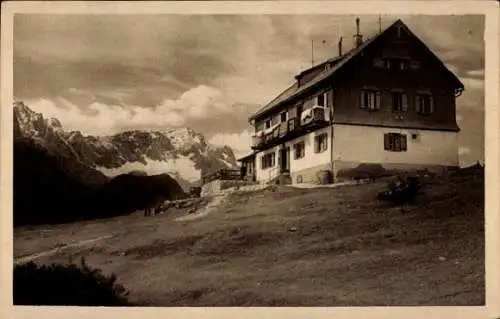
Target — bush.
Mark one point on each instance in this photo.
(402, 191)
(66, 285)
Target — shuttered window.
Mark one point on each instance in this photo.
(378, 63)
(370, 99)
(395, 142)
(399, 102)
(321, 143)
(299, 150)
(268, 160)
(424, 104)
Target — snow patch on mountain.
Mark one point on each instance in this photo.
(181, 165)
(180, 152)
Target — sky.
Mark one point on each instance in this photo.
(103, 74)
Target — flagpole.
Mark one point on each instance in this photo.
(312, 53)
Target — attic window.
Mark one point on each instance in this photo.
(414, 65)
(399, 32)
(268, 123)
(378, 63)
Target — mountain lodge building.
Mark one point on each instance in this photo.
(388, 101)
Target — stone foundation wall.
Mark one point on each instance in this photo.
(348, 171)
(343, 168)
(309, 175)
(216, 186)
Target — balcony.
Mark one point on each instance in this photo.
(310, 120)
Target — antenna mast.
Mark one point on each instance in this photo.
(312, 53)
(379, 23)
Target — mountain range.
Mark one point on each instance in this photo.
(181, 152)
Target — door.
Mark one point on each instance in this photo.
(285, 159)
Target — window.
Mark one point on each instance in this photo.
(370, 99)
(387, 64)
(399, 102)
(403, 64)
(378, 63)
(395, 142)
(424, 104)
(320, 100)
(284, 117)
(414, 65)
(268, 123)
(268, 160)
(321, 143)
(300, 150)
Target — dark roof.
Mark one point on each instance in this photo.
(245, 157)
(295, 90)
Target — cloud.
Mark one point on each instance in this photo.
(239, 142)
(106, 73)
(201, 102)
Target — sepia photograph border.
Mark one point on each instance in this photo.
(490, 9)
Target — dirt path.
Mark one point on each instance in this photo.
(205, 210)
(31, 257)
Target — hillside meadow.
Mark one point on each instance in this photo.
(285, 246)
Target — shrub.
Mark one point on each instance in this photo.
(401, 191)
(66, 285)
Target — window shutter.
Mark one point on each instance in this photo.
(386, 141)
(329, 98)
(431, 104)
(403, 142)
(404, 99)
(417, 104)
(377, 100)
(361, 100)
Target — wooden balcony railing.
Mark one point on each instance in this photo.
(291, 129)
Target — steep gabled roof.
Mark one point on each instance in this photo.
(295, 90)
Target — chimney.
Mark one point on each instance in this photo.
(358, 38)
(340, 46)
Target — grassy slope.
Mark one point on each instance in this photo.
(294, 247)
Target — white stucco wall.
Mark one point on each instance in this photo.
(366, 144)
(310, 159)
(262, 175)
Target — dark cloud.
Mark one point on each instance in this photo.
(152, 60)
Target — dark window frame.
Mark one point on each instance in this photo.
(285, 114)
(364, 97)
(424, 104)
(268, 160)
(318, 139)
(395, 142)
(299, 150)
(399, 101)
